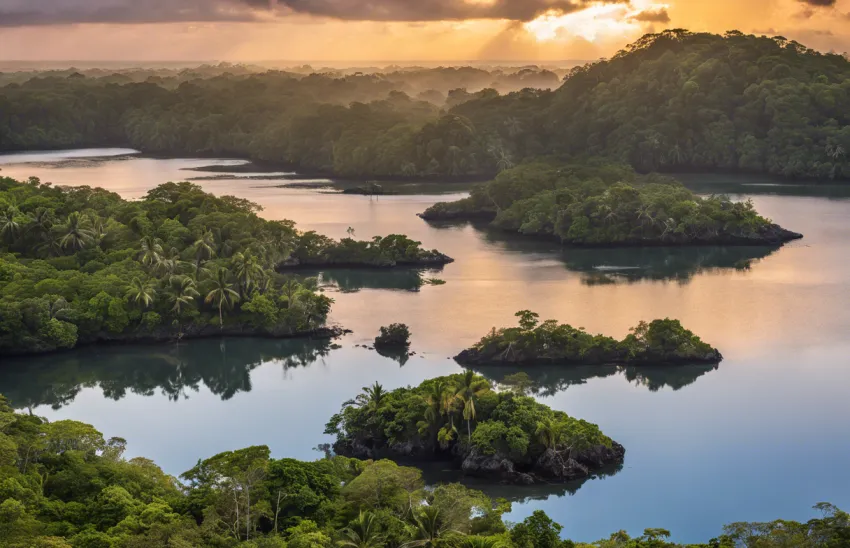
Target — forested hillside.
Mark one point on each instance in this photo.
(670, 101)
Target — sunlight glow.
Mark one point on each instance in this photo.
(598, 20)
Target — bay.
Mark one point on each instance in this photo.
(764, 435)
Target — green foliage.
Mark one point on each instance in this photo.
(659, 341)
(394, 335)
(424, 417)
(312, 249)
(179, 262)
(65, 486)
(599, 203)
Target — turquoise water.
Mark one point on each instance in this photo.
(762, 436)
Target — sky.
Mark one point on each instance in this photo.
(389, 30)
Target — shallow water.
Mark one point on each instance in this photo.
(764, 435)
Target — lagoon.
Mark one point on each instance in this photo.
(763, 435)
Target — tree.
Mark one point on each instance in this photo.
(363, 532)
(550, 432)
(142, 292)
(76, 232)
(182, 295)
(222, 293)
(248, 271)
(151, 250)
(204, 249)
(431, 527)
(471, 385)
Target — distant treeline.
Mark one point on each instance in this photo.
(671, 101)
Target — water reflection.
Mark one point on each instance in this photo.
(548, 380)
(441, 472)
(352, 280)
(603, 266)
(223, 366)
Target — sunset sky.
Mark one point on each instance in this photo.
(388, 30)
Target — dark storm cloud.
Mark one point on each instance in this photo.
(15, 13)
(659, 16)
(58, 12)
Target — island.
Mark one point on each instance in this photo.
(500, 436)
(550, 343)
(81, 265)
(314, 250)
(599, 203)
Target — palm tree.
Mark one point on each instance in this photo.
(438, 396)
(371, 396)
(431, 526)
(182, 294)
(10, 226)
(169, 264)
(363, 533)
(51, 244)
(42, 221)
(222, 293)
(470, 387)
(141, 292)
(77, 233)
(151, 252)
(248, 271)
(204, 248)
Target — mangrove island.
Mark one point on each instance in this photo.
(598, 203)
(502, 436)
(657, 342)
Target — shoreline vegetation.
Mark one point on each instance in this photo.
(549, 343)
(596, 203)
(670, 101)
(501, 436)
(67, 486)
(81, 265)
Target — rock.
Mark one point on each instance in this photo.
(496, 467)
(601, 455)
(557, 465)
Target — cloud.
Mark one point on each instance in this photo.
(649, 16)
(819, 3)
(16, 13)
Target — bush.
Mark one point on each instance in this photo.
(397, 334)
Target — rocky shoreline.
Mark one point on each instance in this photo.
(550, 467)
(479, 357)
(192, 332)
(434, 259)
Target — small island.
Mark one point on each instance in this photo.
(369, 189)
(655, 343)
(501, 436)
(597, 203)
(313, 250)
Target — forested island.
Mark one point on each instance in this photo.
(547, 343)
(315, 250)
(80, 265)
(66, 486)
(598, 203)
(671, 101)
(501, 436)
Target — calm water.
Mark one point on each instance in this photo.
(764, 435)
